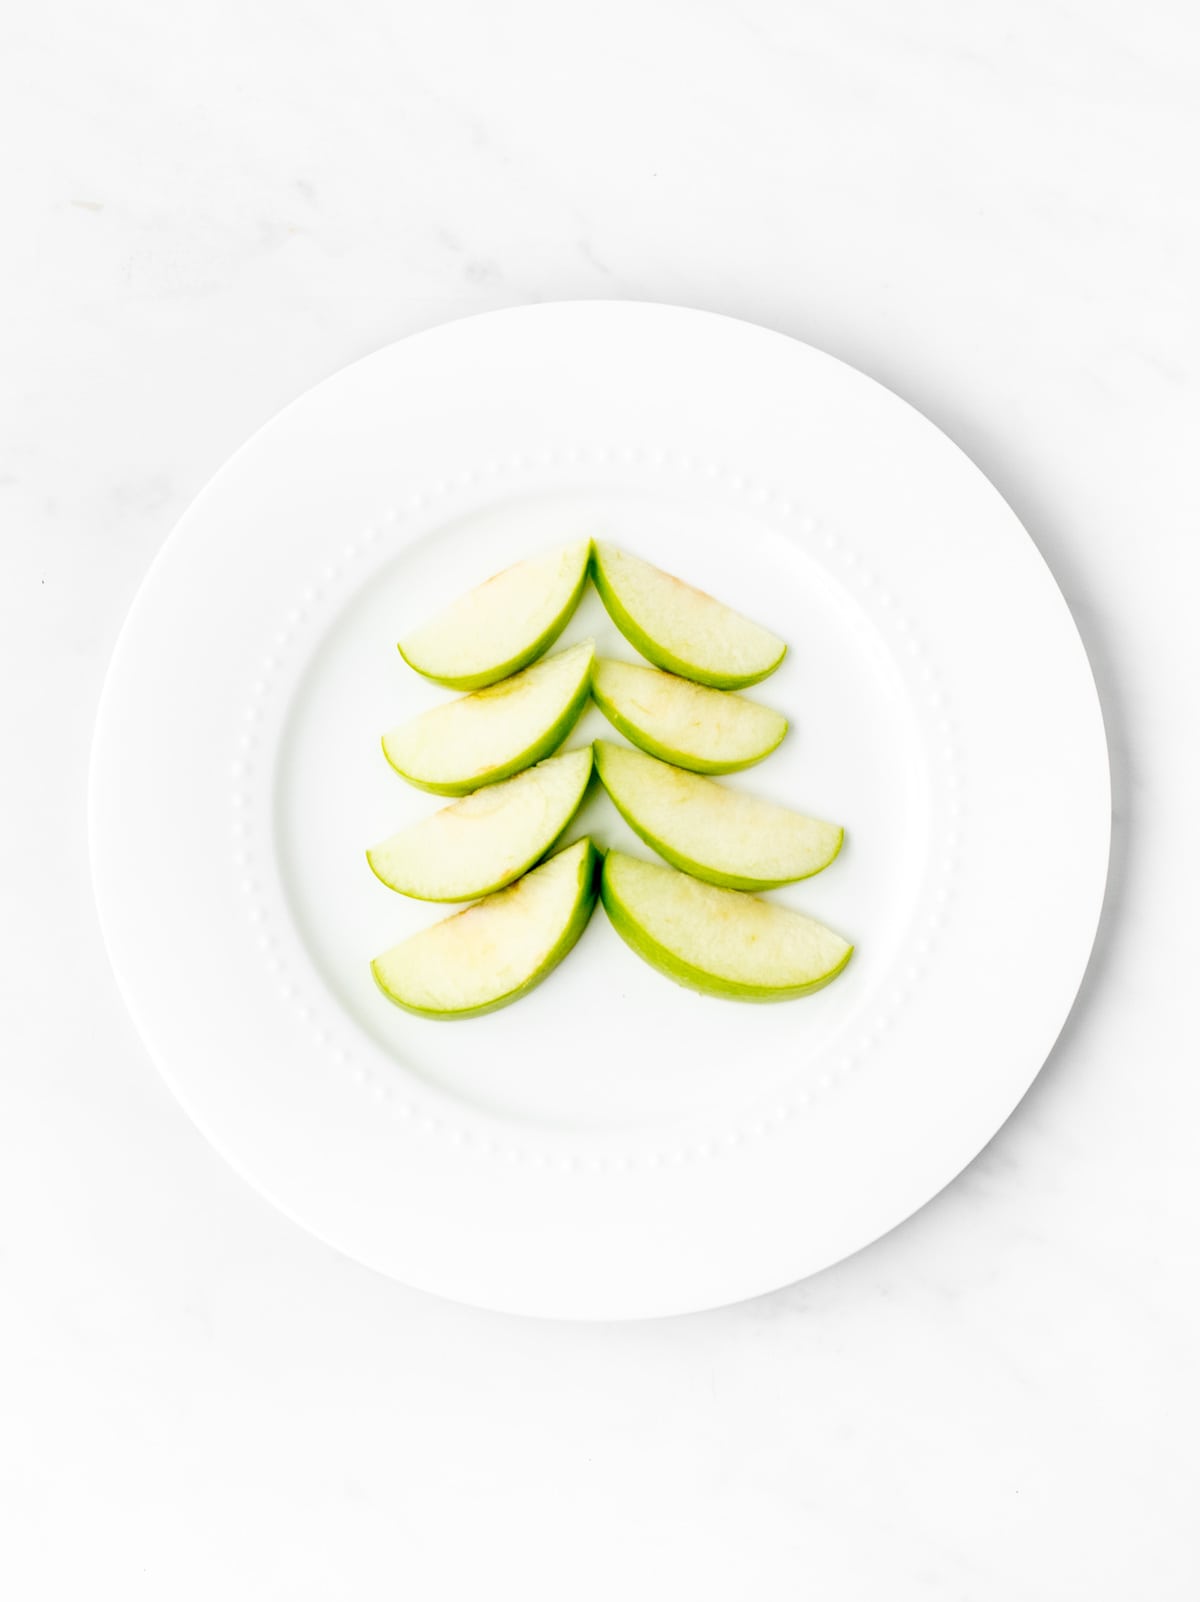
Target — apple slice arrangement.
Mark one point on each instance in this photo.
(697, 920)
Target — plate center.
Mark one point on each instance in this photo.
(606, 1042)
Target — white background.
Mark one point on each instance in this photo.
(990, 208)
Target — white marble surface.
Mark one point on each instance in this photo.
(990, 208)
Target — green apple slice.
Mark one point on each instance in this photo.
(500, 626)
(680, 628)
(708, 731)
(478, 845)
(722, 942)
(492, 953)
(493, 733)
(707, 830)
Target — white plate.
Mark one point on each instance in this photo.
(612, 1146)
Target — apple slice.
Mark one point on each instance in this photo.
(477, 845)
(708, 731)
(500, 626)
(722, 942)
(485, 737)
(493, 952)
(716, 834)
(679, 628)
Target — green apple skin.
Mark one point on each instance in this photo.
(680, 759)
(538, 850)
(530, 653)
(702, 870)
(541, 747)
(587, 876)
(686, 974)
(653, 652)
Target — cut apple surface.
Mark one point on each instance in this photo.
(499, 627)
(710, 831)
(490, 954)
(722, 942)
(483, 842)
(706, 730)
(493, 733)
(680, 628)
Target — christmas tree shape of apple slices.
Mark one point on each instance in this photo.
(714, 833)
(478, 845)
(496, 951)
(680, 628)
(485, 737)
(720, 942)
(502, 625)
(705, 730)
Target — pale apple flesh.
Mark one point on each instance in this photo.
(705, 730)
(493, 733)
(483, 842)
(720, 942)
(489, 955)
(680, 628)
(710, 831)
(502, 625)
